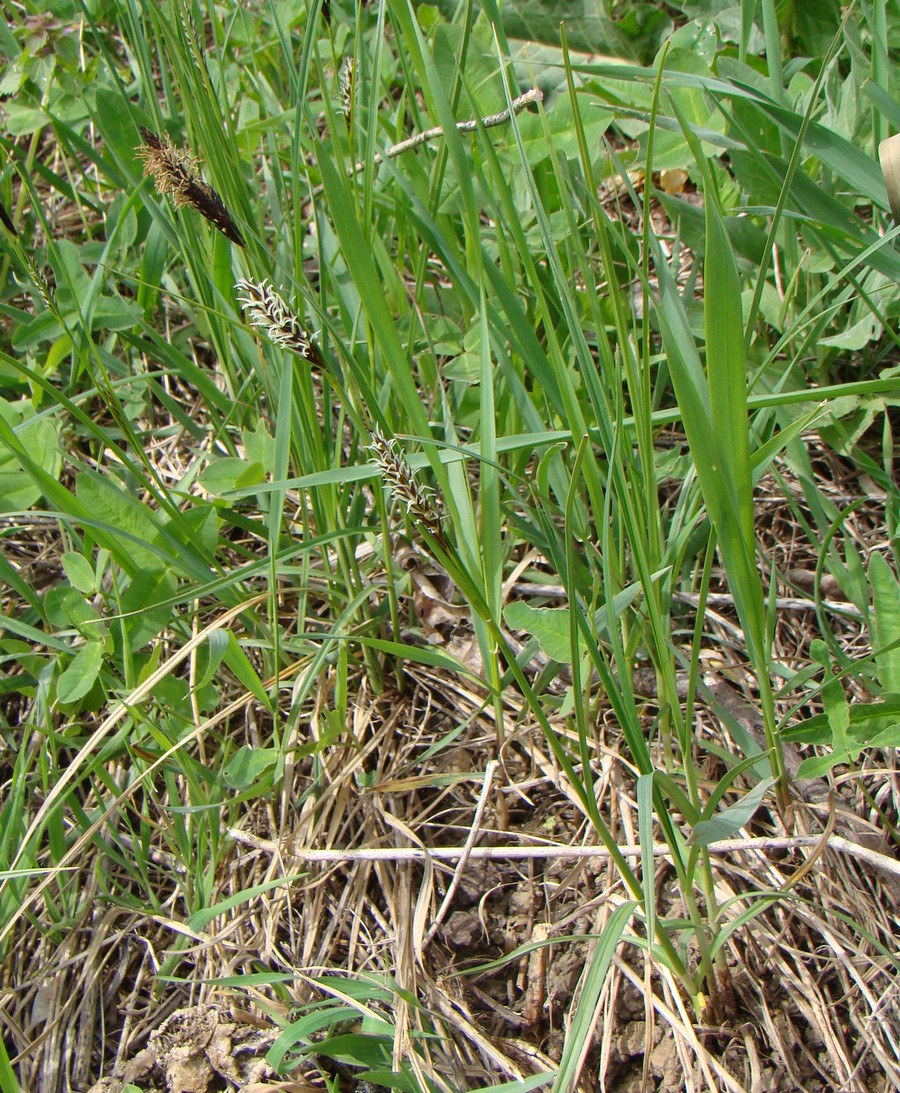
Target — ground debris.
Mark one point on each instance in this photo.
(195, 1050)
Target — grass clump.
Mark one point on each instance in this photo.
(620, 350)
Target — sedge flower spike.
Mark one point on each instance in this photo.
(346, 79)
(267, 310)
(418, 500)
(174, 171)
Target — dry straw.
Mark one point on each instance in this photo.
(174, 170)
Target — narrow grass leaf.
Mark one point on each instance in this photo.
(390, 1079)
(201, 919)
(8, 1081)
(727, 481)
(714, 413)
(239, 663)
(300, 1030)
(587, 1009)
(358, 255)
(533, 1081)
(645, 838)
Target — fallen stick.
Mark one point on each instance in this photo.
(524, 853)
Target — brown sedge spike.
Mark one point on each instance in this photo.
(174, 171)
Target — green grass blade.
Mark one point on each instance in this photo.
(587, 1013)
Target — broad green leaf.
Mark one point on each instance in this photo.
(837, 710)
(561, 123)
(696, 113)
(109, 313)
(81, 674)
(128, 528)
(635, 31)
(259, 445)
(817, 766)
(550, 625)
(730, 820)
(147, 605)
(248, 765)
(837, 718)
(197, 528)
(39, 437)
(886, 622)
(72, 283)
(230, 473)
(867, 721)
(79, 571)
(857, 336)
(887, 738)
(484, 86)
(67, 608)
(23, 121)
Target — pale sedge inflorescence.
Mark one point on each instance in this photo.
(418, 500)
(267, 310)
